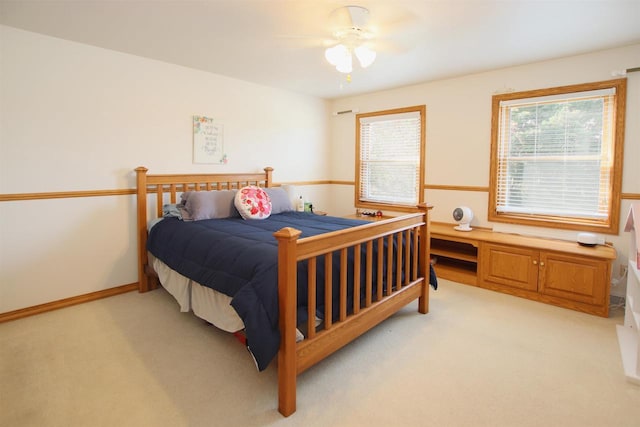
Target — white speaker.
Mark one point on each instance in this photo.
(463, 216)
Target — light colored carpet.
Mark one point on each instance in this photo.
(479, 358)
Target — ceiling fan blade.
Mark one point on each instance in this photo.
(391, 46)
(301, 40)
(399, 21)
(359, 16)
(349, 17)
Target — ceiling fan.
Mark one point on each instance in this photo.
(353, 35)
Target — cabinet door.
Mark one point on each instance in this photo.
(508, 268)
(574, 278)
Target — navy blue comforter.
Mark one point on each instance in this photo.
(240, 258)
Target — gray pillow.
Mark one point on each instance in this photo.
(210, 205)
(280, 201)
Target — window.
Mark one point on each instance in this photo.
(390, 159)
(556, 156)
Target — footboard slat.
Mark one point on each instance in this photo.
(343, 285)
(356, 277)
(380, 283)
(399, 261)
(414, 269)
(328, 291)
(369, 275)
(311, 304)
(407, 257)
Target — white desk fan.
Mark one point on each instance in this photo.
(463, 216)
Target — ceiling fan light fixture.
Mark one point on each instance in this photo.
(335, 54)
(340, 57)
(352, 36)
(365, 55)
(346, 66)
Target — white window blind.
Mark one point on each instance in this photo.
(390, 158)
(555, 155)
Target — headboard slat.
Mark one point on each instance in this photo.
(159, 200)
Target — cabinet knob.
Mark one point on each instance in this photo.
(535, 262)
(541, 263)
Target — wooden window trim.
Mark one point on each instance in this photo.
(422, 110)
(611, 225)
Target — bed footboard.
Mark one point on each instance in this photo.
(399, 279)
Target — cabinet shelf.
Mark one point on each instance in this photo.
(456, 257)
(456, 270)
(452, 253)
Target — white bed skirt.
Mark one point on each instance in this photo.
(206, 303)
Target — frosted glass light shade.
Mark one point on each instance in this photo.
(365, 56)
(340, 57)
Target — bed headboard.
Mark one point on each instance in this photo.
(165, 187)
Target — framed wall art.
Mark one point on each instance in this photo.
(208, 141)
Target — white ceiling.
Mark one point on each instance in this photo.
(280, 43)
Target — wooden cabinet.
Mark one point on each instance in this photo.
(572, 281)
(552, 271)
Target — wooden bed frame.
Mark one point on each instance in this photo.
(411, 281)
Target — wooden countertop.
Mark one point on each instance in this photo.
(446, 231)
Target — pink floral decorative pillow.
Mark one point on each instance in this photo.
(253, 203)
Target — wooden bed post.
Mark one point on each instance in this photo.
(287, 297)
(141, 185)
(268, 171)
(425, 256)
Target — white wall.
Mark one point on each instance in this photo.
(459, 131)
(75, 117)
